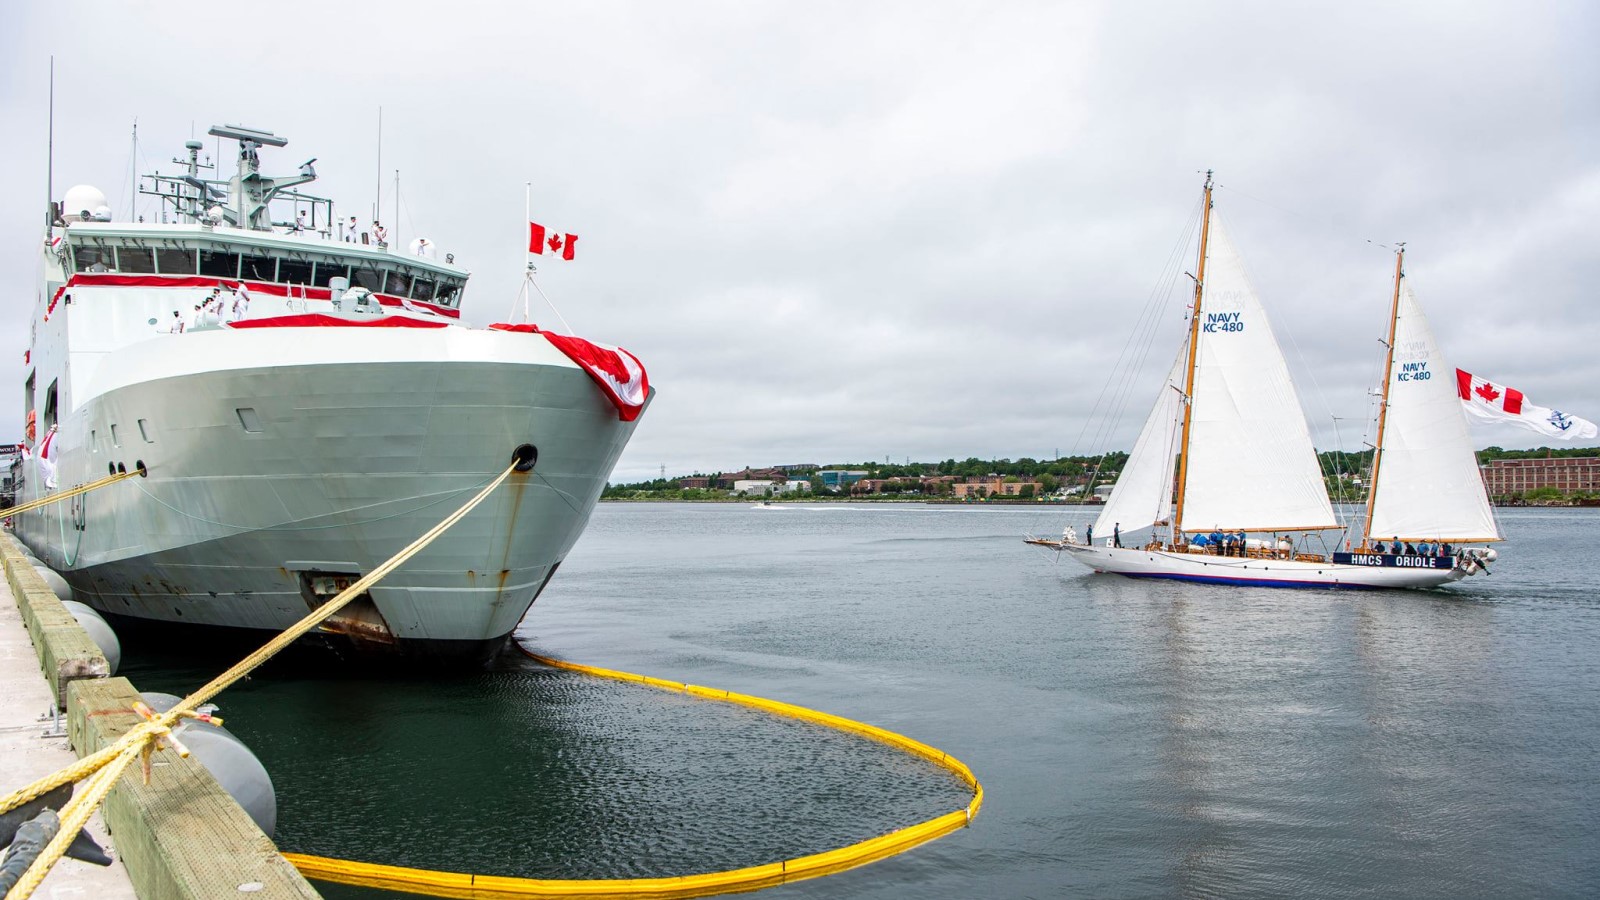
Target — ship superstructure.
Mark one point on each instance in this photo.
(307, 400)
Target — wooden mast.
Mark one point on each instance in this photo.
(1188, 384)
(1383, 405)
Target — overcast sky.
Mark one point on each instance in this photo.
(846, 231)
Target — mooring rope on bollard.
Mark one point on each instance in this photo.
(68, 494)
(496, 887)
(105, 767)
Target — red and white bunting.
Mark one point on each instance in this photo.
(619, 374)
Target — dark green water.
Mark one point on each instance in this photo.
(1135, 738)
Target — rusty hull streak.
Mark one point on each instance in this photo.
(519, 486)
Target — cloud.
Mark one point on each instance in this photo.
(841, 231)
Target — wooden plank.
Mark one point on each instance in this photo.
(181, 835)
(65, 651)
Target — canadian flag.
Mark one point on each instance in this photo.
(541, 239)
(1487, 401)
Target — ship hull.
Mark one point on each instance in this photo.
(1253, 571)
(276, 476)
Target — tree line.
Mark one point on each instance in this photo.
(1346, 472)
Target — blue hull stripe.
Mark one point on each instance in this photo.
(1256, 582)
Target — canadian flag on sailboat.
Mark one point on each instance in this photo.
(1487, 401)
(540, 239)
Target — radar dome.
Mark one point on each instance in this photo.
(423, 247)
(80, 202)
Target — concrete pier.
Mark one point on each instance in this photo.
(26, 755)
(180, 837)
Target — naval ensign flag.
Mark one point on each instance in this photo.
(1487, 401)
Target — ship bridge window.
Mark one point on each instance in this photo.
(258, 268)
(219, 264)
(85, 258)
(136, 260)
(175, 262)
(370, 279)
(396, 283)
(422, 289)
(327, 271)
(49, 409)
(292, 271)
(449, 293)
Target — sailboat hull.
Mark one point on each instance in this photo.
(1255, 572)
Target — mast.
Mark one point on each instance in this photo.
(1383, 405)
(133, 172)
(1188, 382)
(50, 138)
(377, 204)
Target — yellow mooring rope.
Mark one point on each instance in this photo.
(68, 494)
(492, 887)
(105, 767)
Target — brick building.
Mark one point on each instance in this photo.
(994, 486)
(727, 479)
(1509, 477)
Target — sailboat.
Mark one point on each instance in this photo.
(1224, 477)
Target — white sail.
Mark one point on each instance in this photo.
(1428, 482)
(1251, 462)
(1143, 495)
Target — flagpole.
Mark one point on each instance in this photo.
(527, 255)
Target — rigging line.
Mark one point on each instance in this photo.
(1104, 421)
(1338, 467)
(1340, 226)
(405, 210)
(551, 304)
(1110, 413)
(565, 497)
(1158, 305)
(286, 527)
(522, 292)
(133, 161)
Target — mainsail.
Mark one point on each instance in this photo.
(1143, 495)
(1428, 483)
(1251, 464)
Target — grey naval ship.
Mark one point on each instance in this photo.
(306, 401)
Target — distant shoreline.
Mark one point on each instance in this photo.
(809, 499)
(1574, 504)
